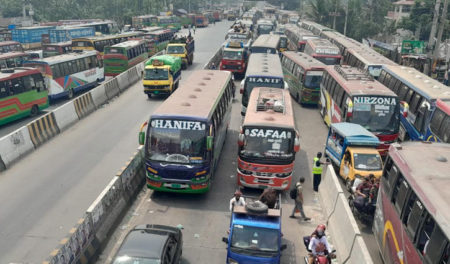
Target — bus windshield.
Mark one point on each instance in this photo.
(254, 239)
(175, 49)
(113, 51)
(267, 143)
(312, 79)
(367, 162)
(156, 74)
(376, 114)
(328, 60)
(232, 55)
(263, 50)
(253, 82)
(265, 29)
(82, 44)
(177, 141)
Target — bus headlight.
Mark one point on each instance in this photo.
(246, 172)
(283, 175)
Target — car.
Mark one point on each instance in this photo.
(151, 244)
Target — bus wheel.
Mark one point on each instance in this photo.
(70, 94)
(297, 98)
(34, 110)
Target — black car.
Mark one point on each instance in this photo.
(151, 244)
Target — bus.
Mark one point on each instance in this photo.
(314, 27)
(367, 59)
(323, 50)
(53, 49)
(10, 46)
(263, 70)
(297, 37)
(12, 59)
(268, 140)
(419, 95)
(348, 94)
(171, 22)
(186, 133)
(412, 220)
(99, 43)
(158, 40)
(440, 122)
(105, 27)
(22, 93)
(303, 74)
(341, 41)
(70, 73)
(266, 44)
(120, 57)
(264, 26)
(142, 21)
(201, 21)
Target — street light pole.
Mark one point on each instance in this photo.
(346, 16)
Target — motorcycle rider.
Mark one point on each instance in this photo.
(319, 244)
(363, 191)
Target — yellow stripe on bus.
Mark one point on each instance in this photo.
(388, 227)
(432, 137)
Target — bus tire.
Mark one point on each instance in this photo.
(34, 110)
(70, 94)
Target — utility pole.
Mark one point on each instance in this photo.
(346, 16)
(442, 24)
(335, 15)
(433, 26)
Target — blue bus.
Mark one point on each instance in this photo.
(263, 70)
(186, 133)
(419, 96)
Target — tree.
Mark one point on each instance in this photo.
(10, 8)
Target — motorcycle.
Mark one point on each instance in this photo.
(366, 211)
(319, 259)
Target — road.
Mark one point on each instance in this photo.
(45, 193)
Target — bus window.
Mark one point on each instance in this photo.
(415, 102)
(420, 118)
(28, 83)
(403, 90)
(444, 131)
(17, 86)
(436, 121)
(414, 219)
(4, 91)
(409, 205)
(400, 191)
(434, 247)
(425, 235)
(409, 95)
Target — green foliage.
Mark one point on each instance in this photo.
(421, 18)
(10, 8)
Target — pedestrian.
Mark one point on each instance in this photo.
(193, 28)
(299, 200)
(446, 77)
(317, 171)
(237, 200)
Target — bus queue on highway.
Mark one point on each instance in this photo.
(347, 81)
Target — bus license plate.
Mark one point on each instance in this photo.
(176, 185)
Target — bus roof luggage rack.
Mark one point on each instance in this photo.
(272, 99)
(351, 73)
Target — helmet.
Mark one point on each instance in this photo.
(237, 192)
(321, 226)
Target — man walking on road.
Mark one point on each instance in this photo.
(299, 200)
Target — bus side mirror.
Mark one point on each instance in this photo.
(241, 140)
(225, 240)
(286, 86)
(141, 138)
(209, 142)
(296, 145)
(405, 108)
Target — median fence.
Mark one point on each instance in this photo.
(347, 238)
(87, 238)
(28, 138)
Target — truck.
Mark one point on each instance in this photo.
(182, 47)
(353, 152)
(234, 57)
(255, 233)
(162, 75)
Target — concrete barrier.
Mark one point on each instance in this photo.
(84, 105)
(65, 115)
(112, 88)
(329, 190)
(360, 253)
(14, 146)
(214, 59)
(99, 95)
(132, 174)
(43, 129)
(123, 81)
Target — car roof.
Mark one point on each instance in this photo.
(144, 243)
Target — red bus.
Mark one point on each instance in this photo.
(297, 37)
(412, 217)
(12, 59)
(234, 57)
(268, 140)
(349, 94)
(323, 50)
(201, 21)
(53, 49)
(10, 46)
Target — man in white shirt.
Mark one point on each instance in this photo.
(237, 200)
(318, 245)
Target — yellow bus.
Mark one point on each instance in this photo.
(100, 42)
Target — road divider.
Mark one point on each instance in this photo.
(93, 230)
(99, 95)
(112, 88)
(65, 115)
(43, 129)
(14, 146)
(84, 105)
(342, 226)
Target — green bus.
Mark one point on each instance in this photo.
(120, 57)
(303, 73)
(170, 22)
(22, 93)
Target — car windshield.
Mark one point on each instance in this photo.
(312, 79)
(156, 74)
(376, 114)
(267, 143)
(177, 141)
(253, 82)
(232, 55)
(367, 162)
(255, 238)
(135, 260)
(175, 49)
